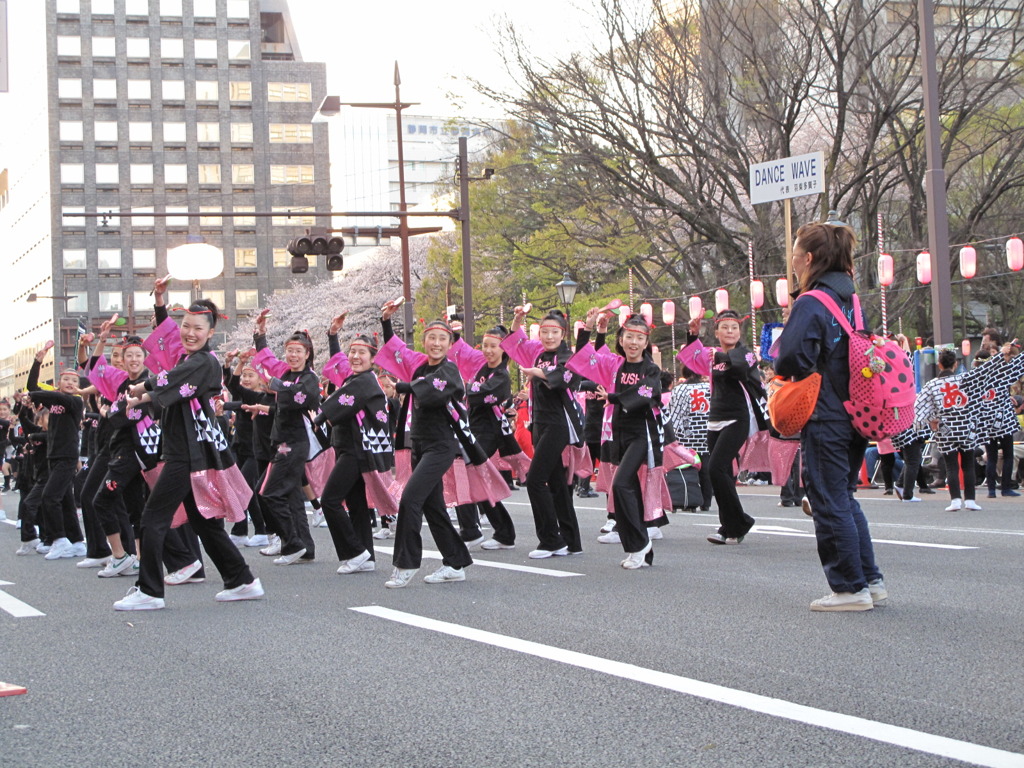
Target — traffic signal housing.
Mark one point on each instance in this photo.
(318, 242)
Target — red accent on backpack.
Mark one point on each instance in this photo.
(882, 389)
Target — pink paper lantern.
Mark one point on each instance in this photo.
(756, 294)
(721, 300)
(1015, 254)
(885, 269)
(782, 292)
(965, 347)
(578, 326)
(535, 331)
(968, 262)
(668, 312)
(924, 267)
(696, 307)
(647, 312)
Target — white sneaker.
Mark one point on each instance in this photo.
(368, 567)
(400, 577)
(185, 575)
(972, 505)
(475, 542)
(805, 505)
(42, 548)
(445, 574)
(116, 567)
(239, 541)
(717, 538)
(355, 564)
(28, 548)
(912, 499)
(383, 533)
(289, 559)
(273, 549)
(251, 591)
(955, 505)
(259, 540)
(78, 549)
(494, 544)
(137, 600)
(318, 518)
(60, 548)
(608, 527)
(877, 590)
(654, 533)
(845, 601)
(92, 562)
(612, 537)
(543, 554)
(635, 560)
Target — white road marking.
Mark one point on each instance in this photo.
(434, 555)
(907, 738)
(774, 530)
(14, 606)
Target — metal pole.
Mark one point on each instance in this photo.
(467, 269)
(935, 184)
(403, 222)
(787, 212)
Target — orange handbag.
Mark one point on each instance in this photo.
(791, 403)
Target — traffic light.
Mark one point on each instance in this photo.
(318, 242)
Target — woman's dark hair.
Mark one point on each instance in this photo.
(131, 341)
(832, 247)
(633, 322)
(691, 376)
(499, 332)
(667, 382)
(947, 359)
(558, 316)
(205, 307)
(728, 314)
(441, 324)
(302, 337)
(366, 341)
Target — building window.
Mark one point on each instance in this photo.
(106, 132)
(138, 47)
(108, 258)
(245, 258)
(291, 133)
(74, 258)
(70, 131)
(282, 258)
(209, 174)
(170, 7)
(69, 46)
(173, 90)
(104, 89)
(206, 49)
(172, 48)
(138, 90)
(176, 175)
(210, 221)
(102, 7)
(238, 9)
(72, 221)
(241, 133)
(174, 133)
(289, 92)
(243, 174)
(244, 221)
(208, 132)
(239, 50)
(216, 296)
(111, 301)
(247, 298)
(72, 173)
(204, 8)
(240, 90)
(106, 173)
(136, 7)
(139, 133)
(142, 174)
(179, 299)
(291, 174)
(142, 301)
(206, 90)
(103, 48)
(144, 258)
(68, 6)
(69, 89)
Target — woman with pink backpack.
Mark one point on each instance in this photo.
(832, 449)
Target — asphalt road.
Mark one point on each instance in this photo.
(520, 668)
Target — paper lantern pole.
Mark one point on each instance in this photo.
(753, 309)
(882, 284)
(631, 290)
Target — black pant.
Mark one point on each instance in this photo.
(992, 449)
(724, 448)
(181, 548)
(96, 542)
(549, 491)
(174, 488)
(911, 466)
(283, 501)
(792, 490)
(967, 463)
(424, 496)
(59, 511)
(28, 509)
(251, 471)
(351, 532)
(628, 498)
(122, 486)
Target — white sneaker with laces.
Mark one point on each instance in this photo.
(494, 544)
(60, 548)
(955, 505)
(543, 554)
(290, 559)
(383, 533)
(635, 560)
(258, 540)
(239, 541)
(42, 548)
(368, 567)
(185, 575)
(28, 548)
(717, 538)
(92, 562)
(400, 577)
(612, 537)
(877, 590)
(475, 542)
(354, 565)
(318, 517)
(654, 533)
(137, 600)
(608, 527)
(273, 549)
(78, 549)
(117, 566)
(972, 505)
(251, 591)
(445, 574)
(844, 601)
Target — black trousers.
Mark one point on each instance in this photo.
(59, 511)
(550, 495)
(423, 496)
(992, 449)
(352, 531)
(251, 471)
(28, 509)
(174, 488)
(181, 548)
(627, 497)
(122, 486)
(912, 467)
(724, 448)
(95, 539)
(283, 501)
(792, 490)
(967, 464)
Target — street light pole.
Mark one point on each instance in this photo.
(467, 270)
(403, 222)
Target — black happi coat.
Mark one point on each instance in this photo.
(360, 399)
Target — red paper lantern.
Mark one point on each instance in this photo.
(965, 347)
(885, 269)
(1015, 254)
(968, 262)
(647, 313)
(721, 300)
(756, 294)
(668, 312)
(782, 292)
(924, 267)
(535, 331)
(696, 307)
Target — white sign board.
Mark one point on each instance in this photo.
(4, 69)
(790, 177)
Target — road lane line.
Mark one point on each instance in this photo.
(434, 555)
(906, 738)
(925, 544)
(14, 606)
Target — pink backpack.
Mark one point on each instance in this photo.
(882, 388)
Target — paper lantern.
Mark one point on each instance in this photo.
(1015, 254)
(756, 294)
(647, 312)
(195, 261)
(885, 269)
(968, 262)
(578, 326)
(696, 308)
(721, 300)
(924, 267)
(965, 347)
(782, 292)
(668, 312)
(535, 331)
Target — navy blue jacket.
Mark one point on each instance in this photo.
(813, 341)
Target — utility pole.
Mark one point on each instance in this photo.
(467, 270)
(403, 222)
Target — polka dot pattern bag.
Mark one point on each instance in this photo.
(882, 390)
